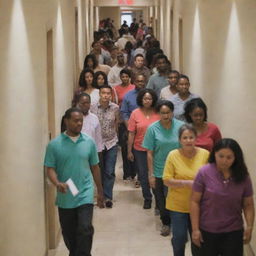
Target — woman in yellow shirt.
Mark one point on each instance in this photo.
(180, 169)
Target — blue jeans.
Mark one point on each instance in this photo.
(108, 171)
(180, 227)
(142, 167)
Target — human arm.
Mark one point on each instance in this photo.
(117, 119)
(131, 136)
(248, 209)
(151, 177)
(51, 173)
(97, 179)
(125, 111)
(178, 183)
(194, 217)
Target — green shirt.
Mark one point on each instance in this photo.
(161, 141)
(73, 160)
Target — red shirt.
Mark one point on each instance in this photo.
(139, 123)
(208, 138)
(121, 91)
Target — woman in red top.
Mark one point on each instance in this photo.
(207, 133)
(138, 123)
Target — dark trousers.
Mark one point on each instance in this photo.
(77, 229)
(142, 167)
(222, 244)
(129, 168)
(160, 194)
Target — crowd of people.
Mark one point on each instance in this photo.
(130, 97)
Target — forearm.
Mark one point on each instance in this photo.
(178, 183)
(131, 136)
(249, 214)
(194, 215)
(97, 177)
(52, 175)
(150, 163)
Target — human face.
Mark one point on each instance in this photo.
(161, 65)
(173, 79)
(166, 114)
(224, 159)
(84, 104)
(197, 115)
(120, 59)
(139, 82)
(105, 95)
(88, 78)
(139, 62)
(183, 86)
(97, 46)
(187, 139)
(100, 80)
(125, 79)
(147, 100)
(74, 124)
(90, 63)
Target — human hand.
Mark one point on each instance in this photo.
(197, 238)
(62, 187)
(100, 200)
(247, 235)
(130, 156)
(152, 181)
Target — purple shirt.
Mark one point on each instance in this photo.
(222, 200)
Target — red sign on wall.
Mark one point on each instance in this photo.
(126, 2)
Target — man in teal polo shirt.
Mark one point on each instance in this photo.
(72, 163)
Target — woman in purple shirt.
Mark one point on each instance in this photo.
(222, 190)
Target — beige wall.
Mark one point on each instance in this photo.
(111, 12)
(23, 108)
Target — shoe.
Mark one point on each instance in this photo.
(165, 230)
(137, 184)
(157, 212)
(108, 203)
(147, 204)
(127, 180)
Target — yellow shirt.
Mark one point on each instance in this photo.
(180, 167)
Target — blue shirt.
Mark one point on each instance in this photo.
(73, 160)
(129, 103)
(161, 141)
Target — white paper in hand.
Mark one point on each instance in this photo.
(72, 187)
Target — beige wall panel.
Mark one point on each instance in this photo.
(219, 57)
(23, 108)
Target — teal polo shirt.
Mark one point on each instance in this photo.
(73, 160)
(161, 141)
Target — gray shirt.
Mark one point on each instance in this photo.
(157, 83)
(179, 105)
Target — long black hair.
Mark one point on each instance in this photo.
(239, 169)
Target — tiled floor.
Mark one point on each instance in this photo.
(126, 229)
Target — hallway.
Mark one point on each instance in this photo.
(42, 49)
(137, 234)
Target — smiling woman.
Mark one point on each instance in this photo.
(180, 169)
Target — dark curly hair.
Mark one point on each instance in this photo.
(141, 95)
